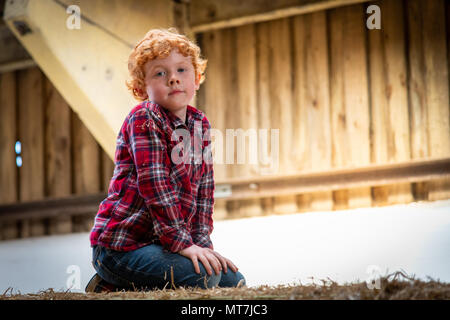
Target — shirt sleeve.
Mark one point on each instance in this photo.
(148, 150)
(202, 223)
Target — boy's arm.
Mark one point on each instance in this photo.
(202, 222)
(147, 147)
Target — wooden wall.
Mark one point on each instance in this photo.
(342, 96)
(60, 156)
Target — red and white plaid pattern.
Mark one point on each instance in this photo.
(150, 197)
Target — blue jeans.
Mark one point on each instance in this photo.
(152, 267)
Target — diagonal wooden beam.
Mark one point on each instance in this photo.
(88, 66)
(207, 15)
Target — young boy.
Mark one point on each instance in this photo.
(153, 229)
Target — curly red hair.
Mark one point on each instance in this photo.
(158, 43)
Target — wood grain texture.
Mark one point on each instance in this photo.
(390, 117)
(31, 134)
(86, 159)
(417, 92)
(349, 99)
(280, 83)
(247, 116)
(231, 100)
(107, 170)
(437, 84)
(264, 103)
(313, 129)
(212, 101)
(58, 160)
(8, 137)
(207, 15)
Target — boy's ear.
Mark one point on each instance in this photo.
(197, 81)
(139, 92)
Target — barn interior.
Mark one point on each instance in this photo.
(350, 99)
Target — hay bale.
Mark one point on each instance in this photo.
(396, 286)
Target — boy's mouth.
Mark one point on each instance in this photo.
(175, 92)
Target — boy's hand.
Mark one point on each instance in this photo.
(209, 258)
(224, 261)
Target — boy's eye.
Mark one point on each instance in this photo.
(161, 73)
(181, 69)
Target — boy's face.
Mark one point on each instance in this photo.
(171, 82)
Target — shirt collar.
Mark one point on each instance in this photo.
(192, 115)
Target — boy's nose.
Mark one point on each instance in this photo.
(173, 81)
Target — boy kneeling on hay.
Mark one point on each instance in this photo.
(153, 229)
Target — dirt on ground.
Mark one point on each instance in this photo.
(395, 286)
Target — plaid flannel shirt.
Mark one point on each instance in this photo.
(151, 198)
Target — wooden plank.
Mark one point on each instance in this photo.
(180, 17)
(83, 222)
(301, 152)
(313, 129)
(199, 99)
(336, 179)
(9, 230)
(215, 109)
(338, 54)
(16, 65)
(86, 159)
(114, 16)
(390, 120)
(419, 170)
(107, 170)
(57, 153)
(58, 143)
(12, 50)
(31, 134)
(247, 119)
(437, 84)
(52, 207)
(207, 15)
(215, 97)
(229, 78)
(73, 214)
(281, 104)
(417, 92)
(8, 137)
(349, 100)
(263, 98)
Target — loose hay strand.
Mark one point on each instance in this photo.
(172, 278)
(395, 286)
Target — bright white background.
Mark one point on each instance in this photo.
(288, 249)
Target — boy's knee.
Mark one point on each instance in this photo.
(232, 279)
(240, 281)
